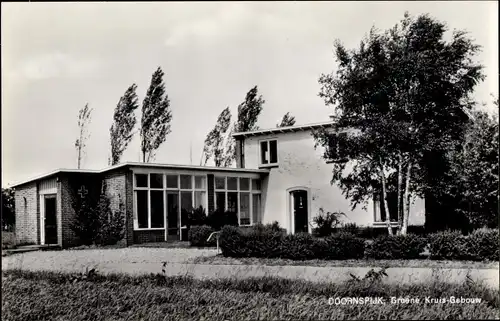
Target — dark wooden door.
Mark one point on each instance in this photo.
(300, 211)
(50, 220)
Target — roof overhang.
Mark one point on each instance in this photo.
(137, 164)
(288, 129)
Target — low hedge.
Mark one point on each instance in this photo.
(272, 243)
(483, 245)
(407, 247)
(480, 245)
(198, 236)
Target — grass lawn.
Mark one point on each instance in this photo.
(423, 263)
(55, 296)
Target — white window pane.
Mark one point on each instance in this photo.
(141, 180)
(263, 152)
(256, 216)
(220, 182)
(186, 182)
(232, 202)
(255, 185)
(156, 180)
(157, 213)
(186, 206)
(199, 182)
(232, 183)
(273, 152)
(186, 201)
(142, 208)
(220, 201)
(199, 199)
(244, 208)
(244, 184)
(172, 181)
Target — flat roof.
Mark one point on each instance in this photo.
(138, 164)
(288, 129)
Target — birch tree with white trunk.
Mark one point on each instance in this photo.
(406, 92)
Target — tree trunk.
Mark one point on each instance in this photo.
(399, 207)
(79, 155)
(384, 200)
(406, 200)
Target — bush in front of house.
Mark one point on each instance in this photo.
(482, 244)
(394, 247)
(272, 227)
(97, 223)
(447, 245)
(197, 217)
(257, 241)
(111, 223)
(268, 242)
(351, 228)
(218, 219)
(326, 223)
(198, 236)
(343, 246)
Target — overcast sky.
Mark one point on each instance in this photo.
(58, 56)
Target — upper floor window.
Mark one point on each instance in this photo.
(336, 147)
(269, 152)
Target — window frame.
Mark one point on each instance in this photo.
(377, 211)
(250, 191)
(267, 141)
(165, 189)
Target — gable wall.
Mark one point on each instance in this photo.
(27, 213)
(300, 164)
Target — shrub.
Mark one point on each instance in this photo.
(300, 246)
(273, 227)
(258, 241)
(342, 246)
(351, 228)
(326, 223)
(218, 219)
(482, 245)
(98, 223)
(111, 224)
(447, 245)
(408, 246)
(266, 242)
(197, 216)
(198, 236)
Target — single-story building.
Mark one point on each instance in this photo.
(279, 176)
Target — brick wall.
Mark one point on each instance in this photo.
(67, 212)
(27, 214)
(149, 236)
(129, 200)
(116, 190)
(69, 186)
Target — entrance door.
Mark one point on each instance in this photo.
(173, 216)
(300, 210)
(50, 220)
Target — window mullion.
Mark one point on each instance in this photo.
(149, 204)
(250, 205)
(226, 194)
(238, 205)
